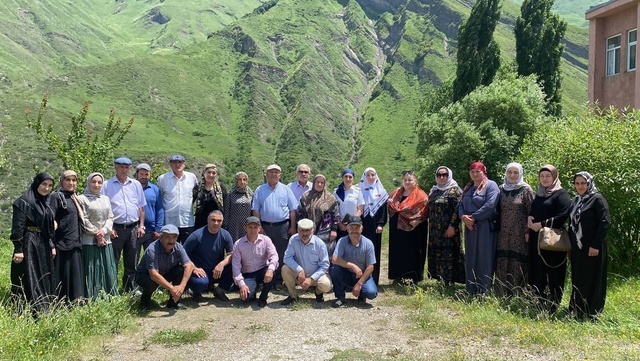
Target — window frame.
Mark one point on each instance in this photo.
(615, 51)
(631, 52)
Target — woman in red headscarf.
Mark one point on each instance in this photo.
(477, 211)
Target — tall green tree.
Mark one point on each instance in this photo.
(85, 150)
(478, 53)
(539, 33)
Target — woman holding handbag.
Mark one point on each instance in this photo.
(547, 269)
(588, 232)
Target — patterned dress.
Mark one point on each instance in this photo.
(512, 254)
(237, 207)
(445, 256)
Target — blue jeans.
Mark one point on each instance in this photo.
(344, 280)
(253, 279)
(201, 284)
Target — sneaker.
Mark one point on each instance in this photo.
(337, 303)
(320, 298)
(287, 301)
(220, 295)
(262, 303)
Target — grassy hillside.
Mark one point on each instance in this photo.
(331, 83)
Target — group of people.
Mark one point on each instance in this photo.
(197, 236)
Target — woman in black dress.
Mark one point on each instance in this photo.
(589, 224)
(32, 270)
(550, 208)
(68, 216)
(374, 215)
(209, 195)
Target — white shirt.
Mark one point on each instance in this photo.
(352, 199)
(177, 198)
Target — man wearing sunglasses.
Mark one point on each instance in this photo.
(302, 183)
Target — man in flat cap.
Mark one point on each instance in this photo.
(176, 188)
(127, 204)
(352, 267)
(153, 211)
(275, 205)
(254, 262)
(164, 264)
(306, 263)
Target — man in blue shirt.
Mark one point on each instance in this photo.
(153, 211)
(306, 263)
(210, 249)
(275, 205)
(353, 262)
(165, 263)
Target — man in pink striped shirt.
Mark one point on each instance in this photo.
(254, 261)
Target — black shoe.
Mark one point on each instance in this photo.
(320, 298)
(196, 297)
(287, 301)
(362, 299)
(220, 295)
(262, 303)
(337, 303)
(145, 307)
(176, 305)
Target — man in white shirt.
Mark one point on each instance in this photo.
(176, 188)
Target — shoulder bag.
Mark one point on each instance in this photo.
(553, 239)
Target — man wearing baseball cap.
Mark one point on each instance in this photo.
(153, 211)
(275, 205)
(306, 263)
(352, 267)
(176, 188)
(164, 264)
(127, 204)
(254, 262)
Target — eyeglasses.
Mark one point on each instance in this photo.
(442, 175)
(410, 171)
(303, 171)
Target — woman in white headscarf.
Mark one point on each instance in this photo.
(588, 232)
(445, 257)
(512, 252)
(374, 214)
(97, 252)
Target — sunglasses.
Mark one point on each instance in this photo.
(410, 171)
(442, 175)
(303, 171)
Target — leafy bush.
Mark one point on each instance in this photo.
(487, 125)
(605, 144)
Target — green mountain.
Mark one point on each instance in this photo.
(333, 83)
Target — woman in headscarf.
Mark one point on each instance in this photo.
(350, 200)
(478, 213)
(512, 254)
(588, 232)
(550, 208)
(374, 214)
(320, 206)
(208, 196)
(445, 257)
(69, 266)
(238, 206)
(408, 213)
(97, 252)
(32, 270)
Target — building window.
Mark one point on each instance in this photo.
(613, 55)
(632, 39)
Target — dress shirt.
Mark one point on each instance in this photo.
(250, 257)
(274, 205)
(126, 198)
(299, 190)
(177, 198)
(311, 257)
(352, 199)
(154, 210)
(155, 257)
(361, 255)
